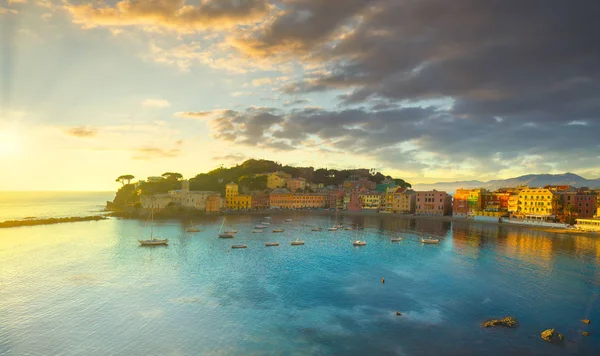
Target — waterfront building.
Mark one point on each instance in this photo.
(433, 202)
(310, 200)
(240, 202)
(475, 200)
(296, 184)
(588, 224)
(260, 200)
(460, 205)
(213, 203)
(156, 201)
(538, 202)
(231, 190)
(281, 199)
(404, 201)
(352, 200)
(373, 200)
(390, 192)
(336, 199)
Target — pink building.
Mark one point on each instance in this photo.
(433, 202)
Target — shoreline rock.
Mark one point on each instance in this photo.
(509, 321)
(552, 336)
(49, 221)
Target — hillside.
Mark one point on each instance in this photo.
(532, 180)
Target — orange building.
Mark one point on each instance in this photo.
(310, 200)
(213, 203)
(460, 202)
(281, 199)
(295, 184)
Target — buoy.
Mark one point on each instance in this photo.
(383, 280)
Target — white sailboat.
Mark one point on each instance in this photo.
(192, 228)
(396, 239)
(226, 234)
(336, 225)
(153, 241)
(298, 242)
(359, 242)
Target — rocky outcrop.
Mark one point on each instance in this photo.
(585, 333)
(509, 321)
(553, 336)
(586, 321)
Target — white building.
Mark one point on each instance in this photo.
(184, 198)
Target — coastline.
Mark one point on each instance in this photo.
(457, 220)
(50, 221)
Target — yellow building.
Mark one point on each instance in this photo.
(389, 197)
(231, 191)
(372, 201)
(540, 202)
(404, 202)
(240, 202)
(275, 181)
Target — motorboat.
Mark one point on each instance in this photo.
(359, 243)
(278, 230)
(349, 228)
(260, 226)
(338, 226)
(265, 223)
(332, 229)
(430, 241)
(298, 242)
(396, 239)
(233, 232)
(153, 241)
(316, 229)
(271, 244)
(257, 231)
(239, 246)
(226, 236)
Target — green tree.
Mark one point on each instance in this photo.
(402, 183)
(123, 178)
(570, 213)
(172, 175)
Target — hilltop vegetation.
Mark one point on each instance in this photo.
(244, 175)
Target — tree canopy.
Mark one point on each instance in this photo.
(172, 175)
(125, 177)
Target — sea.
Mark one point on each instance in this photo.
(89, 288)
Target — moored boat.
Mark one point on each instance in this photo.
(332, 229)
(317, 229)
(192, 228)
(298, 242)
(396, 239)
(239, 246)
(349, 228)
(359, 243)
(430, 241)
(288, 220)
(153, 241)
(260, 226)
(270, 244)
(265, 223)
(278, 230)
(257, 231)
(226, 236)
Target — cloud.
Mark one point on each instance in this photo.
(147, 153)
(199, 115)
(82, 132)
(295, 102)
(17, 2)
(156, 103)
(176, 15)
(234, 157)
(4, 10)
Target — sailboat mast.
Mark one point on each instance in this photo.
(151, 223)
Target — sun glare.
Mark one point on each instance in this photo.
(9, 144)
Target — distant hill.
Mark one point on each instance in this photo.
(532, 180)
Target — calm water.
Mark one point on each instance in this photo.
(19, 205)
(89, 289)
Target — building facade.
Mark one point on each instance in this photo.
(404, 201)
(296, 184)
(260, 200)
(310, 201)
(275, 181)
(433, 203)
(373, 200)
(460, 204)
(539, 203)
(281, 199)
(213, 203)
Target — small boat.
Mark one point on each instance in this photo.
(270, 244)
(267, 218)
(153, 241)
(332, 229)
(338, 226)
(396, 239)
(192, 228)
(359, 243)
(265, 223)
(260, 226)
(288, 220)
(278, 230)
(226, 236)
(349, 228)
(298, 242)
(430, 241)
(233, 232)
(257, 231)
(239, 246)
(317, 229)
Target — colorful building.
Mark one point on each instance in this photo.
(310, 201)
(156, 201)
(352, 200)
(433, 203)
(404, 201)
(260, 200)
(213, 203)
(336, 199)
(281, 199)
(475, 200)
(231, 190)
(277, 180)
(539, 203)
(240, 202)
(390, 192)
(296, 184)
(373, 200)
(460, 205)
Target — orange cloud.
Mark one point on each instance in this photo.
(171, 14)
(82, 132)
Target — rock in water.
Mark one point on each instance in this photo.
(553, 336)
(585, 333)
(587, 321)
(509, 321)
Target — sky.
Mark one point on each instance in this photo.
(427, 91)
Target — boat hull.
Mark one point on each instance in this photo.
(272, 244)
(226, 236)
(430, 241)
(153, 242)
(239, 246)
(297, 243)
(278, 231)
(257, 231)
